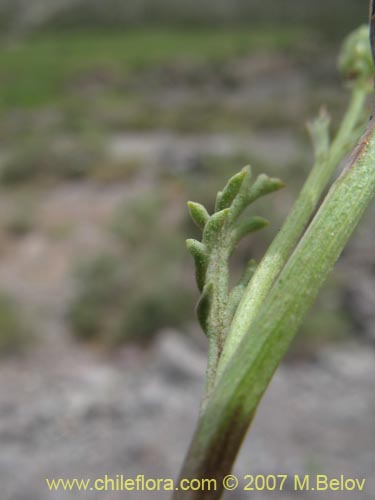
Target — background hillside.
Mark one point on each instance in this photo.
(33, 14)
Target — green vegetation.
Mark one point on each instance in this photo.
(49, 68)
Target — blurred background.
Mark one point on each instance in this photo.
(112, 115)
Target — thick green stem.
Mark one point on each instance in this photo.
(234, 400)
(287, 238)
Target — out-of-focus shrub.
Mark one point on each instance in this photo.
(20, 221)
(15, 334)
(100, 291)
(114, 304)
(51, 159)
(327, 322)
(136, 221)
(133, 294)
(165, 303)
(112, 171)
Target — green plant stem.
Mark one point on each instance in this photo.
(238, 391)
(218, 270)
(283, 244)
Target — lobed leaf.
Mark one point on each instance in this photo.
(199, 254)
(248, 226)
(232, 188)
(262, 186)
(204, 307)
(198, 213)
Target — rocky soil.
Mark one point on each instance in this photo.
(73, 413)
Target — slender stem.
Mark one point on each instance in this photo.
(218, 318)
(283, 244)
(234, 400)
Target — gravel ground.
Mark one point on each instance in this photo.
(70, 412)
